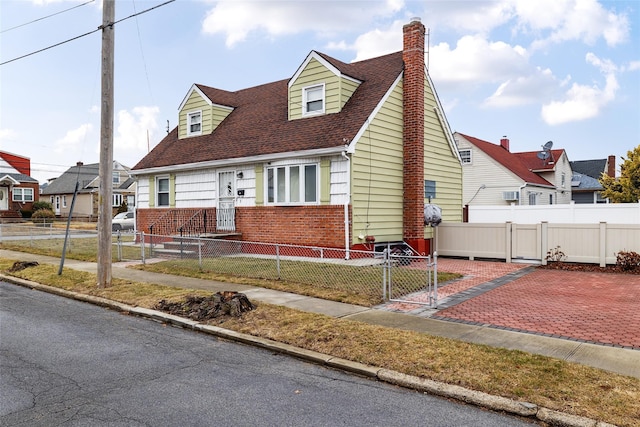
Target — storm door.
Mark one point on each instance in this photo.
(225, 213)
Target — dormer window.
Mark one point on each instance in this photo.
(194, 123)
(313, 100)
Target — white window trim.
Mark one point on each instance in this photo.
(116, 200)
(64, 201)
(287, 202)
(305, 90)
(22, 191)
(470, 156)
(115, 177)
(157, 189)
(193, 113)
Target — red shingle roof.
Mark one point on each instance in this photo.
(533, 162)
(259, 123)
(514, 162)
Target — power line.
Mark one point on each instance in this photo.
(45, 17)
(86, 34)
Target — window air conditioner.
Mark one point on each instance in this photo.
(510, 195)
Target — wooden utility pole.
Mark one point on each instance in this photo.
(106, 146)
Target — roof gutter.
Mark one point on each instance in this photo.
(240, 160)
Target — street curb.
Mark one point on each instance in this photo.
(477, 398)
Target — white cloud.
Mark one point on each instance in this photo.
(135, 129)
(478, 17)
(476, 60)
(236, 19)
(582, 20)
(632, 66)
(583, 102)
(522, 90)
(73, 139)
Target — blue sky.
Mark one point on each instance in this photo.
(561, 70)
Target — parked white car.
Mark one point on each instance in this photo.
(123, 221)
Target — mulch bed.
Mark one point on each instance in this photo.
(592, 268)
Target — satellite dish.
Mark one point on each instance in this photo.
(543, 155)
(548, 146)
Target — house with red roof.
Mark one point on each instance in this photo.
(493, 175)
(341, 155)
(18, 190)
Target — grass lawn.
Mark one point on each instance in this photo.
(548, 382)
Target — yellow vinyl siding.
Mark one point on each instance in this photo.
(212, 115)
(337, 90)
(346, 90)
(377, 175)
(441, 164)
(195, 103)
(218, 114)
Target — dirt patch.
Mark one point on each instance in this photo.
(216, 306)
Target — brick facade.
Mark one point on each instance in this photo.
(295, 225)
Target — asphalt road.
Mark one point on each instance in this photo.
(63, 362)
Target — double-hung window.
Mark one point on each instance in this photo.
(292, 184)
(22, 195)
(313, 99)
(117, 200)
(194, 123)
(162, 192)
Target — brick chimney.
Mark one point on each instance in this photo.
(504, 142)
(413, 134)
(611, 166)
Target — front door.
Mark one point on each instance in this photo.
(4, 198)
(225, 213)
(57, 205)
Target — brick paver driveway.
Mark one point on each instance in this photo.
(592, 307)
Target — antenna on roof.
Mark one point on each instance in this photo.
(167, 126)
(546, 152)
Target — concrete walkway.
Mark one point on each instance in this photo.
(443, 323)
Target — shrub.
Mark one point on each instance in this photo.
(26, 213)
(628, 261)
(556, 255)
(39, 205)
(43, 216)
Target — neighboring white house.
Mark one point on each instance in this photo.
(493, 175)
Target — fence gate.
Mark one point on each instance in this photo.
(411, 278)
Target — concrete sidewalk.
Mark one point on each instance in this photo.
(620, 360)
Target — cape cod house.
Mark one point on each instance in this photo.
(493, 175)
(339, 155)
(18, 190)
(60, 190)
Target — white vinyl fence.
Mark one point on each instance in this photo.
(585, 243)
(612, 213)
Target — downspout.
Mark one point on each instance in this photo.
(520, 193)
(346, 207)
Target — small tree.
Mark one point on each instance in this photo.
(626, 188)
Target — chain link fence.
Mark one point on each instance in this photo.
(362, 277)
